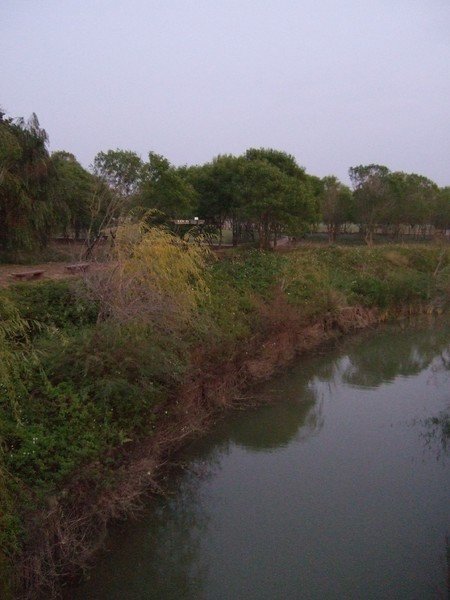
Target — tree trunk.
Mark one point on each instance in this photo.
(335, 233)
(260, 236)
(266, 233)
(368, 237)
(235, 232)
(330, 233)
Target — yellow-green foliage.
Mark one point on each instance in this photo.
(157, 275)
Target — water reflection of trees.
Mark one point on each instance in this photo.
(174, 569)
(277, 424)
(171, 547)
(159, 556)
(442, 362)
(437, 428)
(436, 433)
(369, 360)
(391, 353)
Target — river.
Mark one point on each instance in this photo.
(337, 488)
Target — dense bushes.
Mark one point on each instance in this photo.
(379, 277)
(54, 303)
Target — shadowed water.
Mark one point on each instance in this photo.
(339, 488)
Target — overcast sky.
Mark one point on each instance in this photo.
(336, 83)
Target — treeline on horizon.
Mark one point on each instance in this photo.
(261, 195)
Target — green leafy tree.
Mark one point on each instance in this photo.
(441, 212)
(119, 173)
(412, 200)
(27, 215)
(218, 186)
(337, 206)
(421, 198)
(371, 192)
(284, 162)
(277, 195)
(263, 192)
(165, 189)
(121, 170)
(73, 189)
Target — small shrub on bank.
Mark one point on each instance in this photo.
(58, 304)
(252, 271)
(307, 283)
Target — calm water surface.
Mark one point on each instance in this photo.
(339, 489)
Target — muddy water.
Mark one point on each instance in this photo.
(340, 488)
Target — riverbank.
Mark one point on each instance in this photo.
(315, 480)
(95, 409)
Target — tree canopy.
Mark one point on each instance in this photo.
(391, 199)
(165, 189)
(26, 213)
(337, 206)
(260, 195)
(73, 189)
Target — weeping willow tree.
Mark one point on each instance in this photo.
(158, 278)
(27, 215)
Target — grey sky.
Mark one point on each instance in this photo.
(334, 82)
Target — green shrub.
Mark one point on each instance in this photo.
(99, 389)
(58, 304)
(251, 271)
